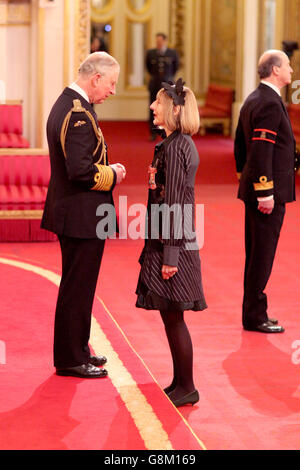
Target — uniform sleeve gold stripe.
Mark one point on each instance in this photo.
(263, 184)
(104, 178)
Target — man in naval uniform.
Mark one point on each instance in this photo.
(265, 160)
(81, 181)
(162, 64)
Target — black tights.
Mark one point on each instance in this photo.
(182, 354)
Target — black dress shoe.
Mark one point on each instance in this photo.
(85, 371)
(189, 399)
(97, 361)
(273, 320)
(267, 327)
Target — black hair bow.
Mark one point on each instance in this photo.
(175, 91)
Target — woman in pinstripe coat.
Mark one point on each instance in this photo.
(170, 278)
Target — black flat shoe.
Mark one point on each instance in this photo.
(97, 361)
(189, 399)
(169, 389)
(85, 371)
(267, 327)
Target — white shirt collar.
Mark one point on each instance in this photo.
(163, 50)
(274, 87)
(79, 90)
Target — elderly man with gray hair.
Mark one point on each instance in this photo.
(81, 181)
(265, 158)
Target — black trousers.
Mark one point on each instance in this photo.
(81, 260)
(261, 238)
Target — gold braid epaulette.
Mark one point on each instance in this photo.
(78, 108)
(104, 177)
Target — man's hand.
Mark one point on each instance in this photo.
(266, 207)
(120, 171)
(168, 271)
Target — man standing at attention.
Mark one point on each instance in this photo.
(81, 180)
(162, 64)
(265, 159)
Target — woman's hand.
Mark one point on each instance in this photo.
(168, 271)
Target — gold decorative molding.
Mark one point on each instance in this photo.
(23, 151)
(140, 9)
(82, 28)
(177, 27)
(21, 214)
(240, 57)
(15, 13)
(97, 12)
(3, 13)
(12, 102)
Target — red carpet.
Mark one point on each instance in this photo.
(249, 383)
(40, 410)
(129, 145)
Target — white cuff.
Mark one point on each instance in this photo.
(267, 198)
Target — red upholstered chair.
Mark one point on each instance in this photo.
(294, 113)
(11, 126)
(217, 108)
(24, 178)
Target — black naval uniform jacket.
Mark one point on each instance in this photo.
(265, 148)
(161, 66)
(81, 179)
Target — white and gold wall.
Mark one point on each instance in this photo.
(43, 42)
(15, 44)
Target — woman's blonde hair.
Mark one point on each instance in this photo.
(187, 121)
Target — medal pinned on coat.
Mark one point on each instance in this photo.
(152, 170)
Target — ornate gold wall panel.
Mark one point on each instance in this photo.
(15, 13)
(177, 27)
(223, 42)
(82, 32)
(292, 32)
